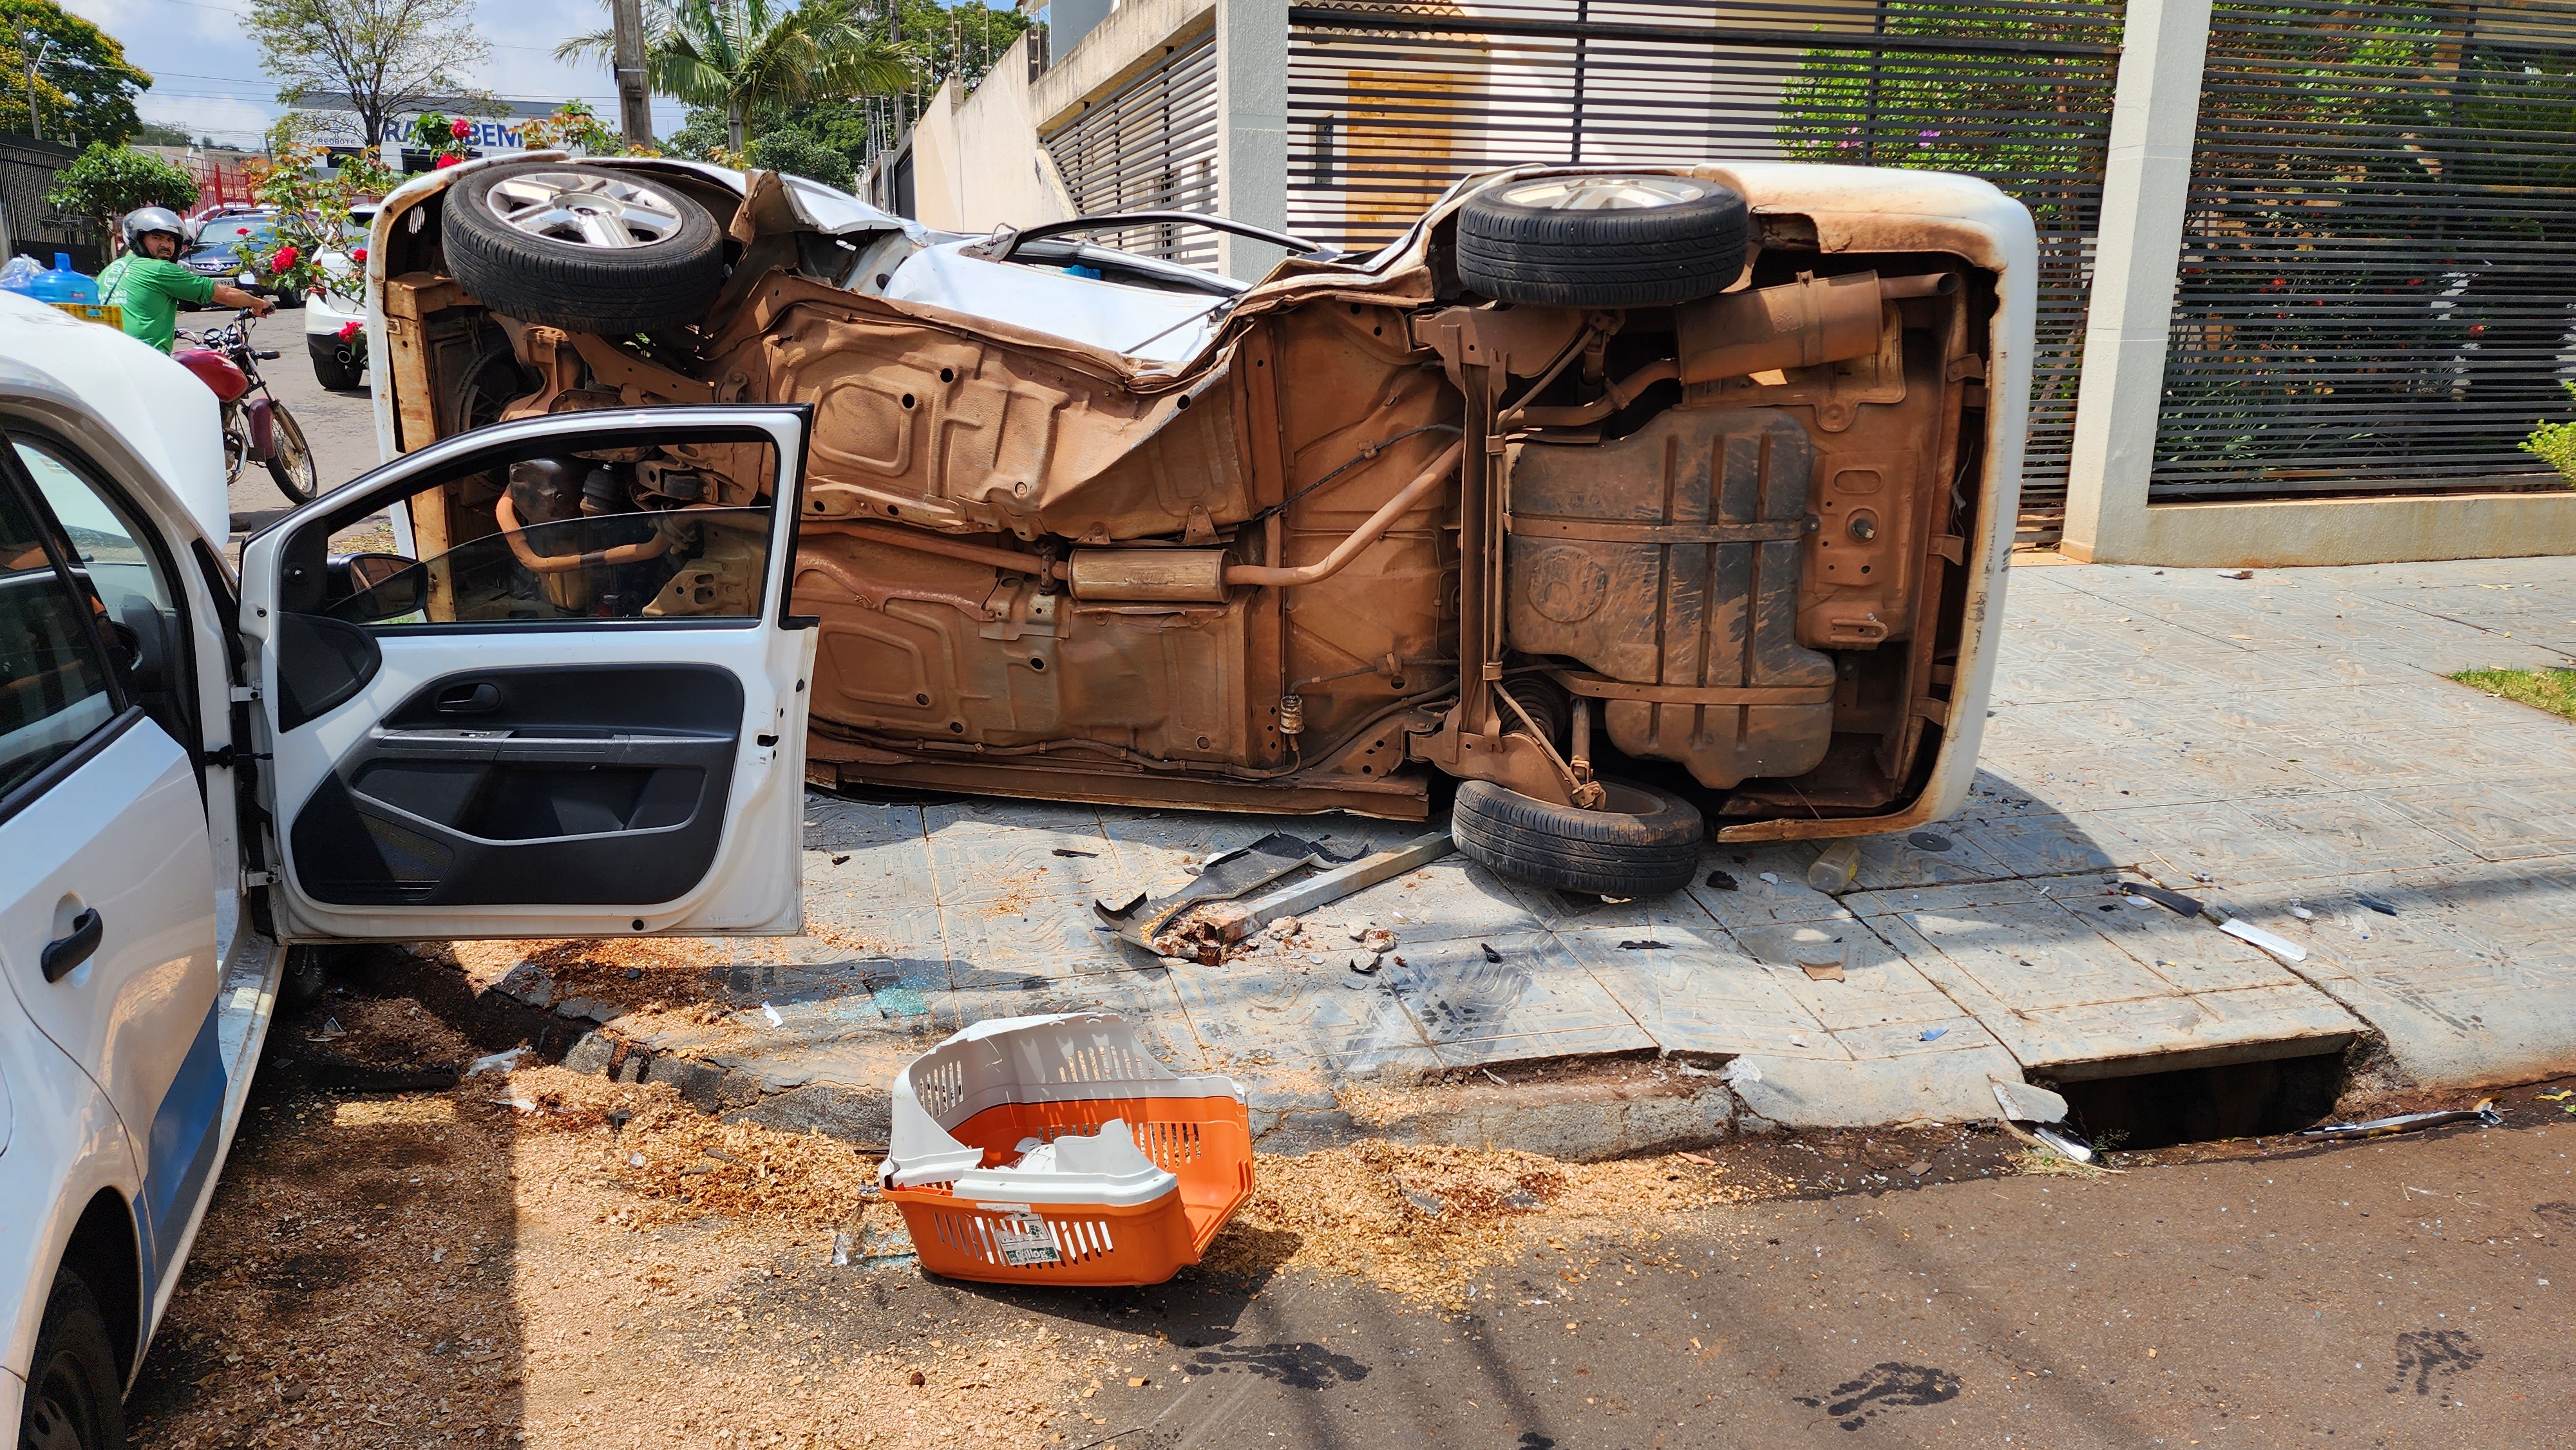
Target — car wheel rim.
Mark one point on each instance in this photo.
(586, 211)
(1603, 193)
(55, 1416)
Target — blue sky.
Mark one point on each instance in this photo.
(206, 74)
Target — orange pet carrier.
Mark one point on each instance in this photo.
(1054, 1150)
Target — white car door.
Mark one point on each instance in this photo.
(580, 713)
(107, 903)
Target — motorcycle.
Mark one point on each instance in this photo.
(256, 425)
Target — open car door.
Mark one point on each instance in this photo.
(579, 712)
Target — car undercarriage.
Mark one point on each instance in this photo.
(1365, 522)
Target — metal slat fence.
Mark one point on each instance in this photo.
(2379, 261)
(1149, 146)
(1390, 104)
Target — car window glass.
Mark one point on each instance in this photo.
(675, 531)
(53, 686)
(137, 597)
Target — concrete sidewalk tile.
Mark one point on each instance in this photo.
(1053, 942)
(2497, 821)
(894, 872)
(2472, 1023)
(1890, 1077)
(2031, 957)
(836, 823)
(1875, 906)
(1888, 862)
(1326, 1019)
(1879, 987)
(1159, 851)
(2045, 845)
(1702, 993)
(1786, 897)
(1570, 911)
(2283, 840)
(1460, 999)
(1451, 899)
(1146, 999)
(855, 926)
(2192, 954)
(979, 856)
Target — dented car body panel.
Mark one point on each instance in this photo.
(1157, 540)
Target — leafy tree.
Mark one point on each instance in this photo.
(799, 154)
(313, 203)
(108, 181)
(161, 133)
(386, 56)
(738, 56)
(84, 86)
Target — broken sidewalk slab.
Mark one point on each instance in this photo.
(1891, 1077)
(1221, 878)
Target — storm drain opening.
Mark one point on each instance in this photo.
(2157, 1109)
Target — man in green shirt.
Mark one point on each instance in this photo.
(149, 283)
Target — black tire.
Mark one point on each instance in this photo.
(293, 468)
(1520, 242)
(75, 1397)
(1644, 843)
(566, 283)
(328, 370)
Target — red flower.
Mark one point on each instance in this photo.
(284, 258)
(445, 162)
(358, 255)
(460, 128)
(350, 329)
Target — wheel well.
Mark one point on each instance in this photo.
(102, 1251)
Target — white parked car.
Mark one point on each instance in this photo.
(198, 768)
(337, 362)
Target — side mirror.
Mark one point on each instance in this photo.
(380, 587)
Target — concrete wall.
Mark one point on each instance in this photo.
(2284, 532)
(976, 163)
(1136, 34)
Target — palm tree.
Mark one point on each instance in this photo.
(742, 55)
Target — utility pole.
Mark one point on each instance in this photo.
(634, 98)
(35, 56)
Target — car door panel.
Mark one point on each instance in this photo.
(549, 776)
(122, 835)
(602, 784)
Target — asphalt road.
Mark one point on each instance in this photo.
(340, 427)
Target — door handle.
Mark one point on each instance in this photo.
(476, 699)
(62, 954)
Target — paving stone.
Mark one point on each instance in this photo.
(1536, 1002)
(1702, 993)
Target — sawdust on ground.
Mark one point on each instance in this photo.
(390, 1031)
(1423, 1221)
(456, 1269)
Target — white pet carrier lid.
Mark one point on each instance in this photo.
(1065, 1057)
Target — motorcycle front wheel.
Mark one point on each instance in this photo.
(292, 464)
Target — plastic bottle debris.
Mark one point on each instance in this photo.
(2282, 947)
(498, 1062)
(1932, 1034)
(1835, 867)
(2484, 1115)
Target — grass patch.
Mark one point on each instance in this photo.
(2550, 690)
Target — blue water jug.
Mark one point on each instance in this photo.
(62, 284)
